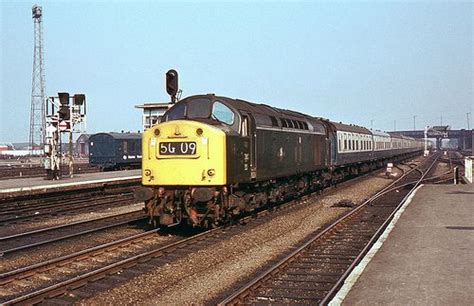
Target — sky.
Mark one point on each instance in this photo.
(374, 64)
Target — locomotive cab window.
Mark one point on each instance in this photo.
(222, 113)
(199, 108)
(176, 112)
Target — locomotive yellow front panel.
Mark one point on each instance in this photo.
(183, 153)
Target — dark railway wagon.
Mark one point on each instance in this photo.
(111, 151)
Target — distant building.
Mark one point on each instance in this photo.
(5, 147)
(21, 145)
(82, 145)
(152, 112)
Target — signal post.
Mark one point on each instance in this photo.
(62, 117)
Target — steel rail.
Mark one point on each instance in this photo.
(369, 244)
(60, 288)
(52, 263)
(53, 203)
(132, 218)
(81, 280)
(48, 265)
(239, 295)
(66, 208)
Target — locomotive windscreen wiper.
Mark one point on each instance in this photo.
(215, 118)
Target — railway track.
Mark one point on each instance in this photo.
(27, 212)
(26, 240)
(28, 171)
(314, 272)
(94, 269)
(142, 252)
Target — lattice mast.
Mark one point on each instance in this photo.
(37, 115)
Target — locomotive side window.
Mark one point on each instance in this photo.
(223, 113)
(245, 126)
(125, 147)
(274, 121)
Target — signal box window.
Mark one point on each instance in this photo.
(223, 113)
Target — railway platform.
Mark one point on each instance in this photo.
(424, 257)
(26, 186)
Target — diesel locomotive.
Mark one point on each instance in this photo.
(212, 158)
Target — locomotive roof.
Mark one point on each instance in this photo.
(339, 126)
(269, 110)
(263, 113)
(120, 136)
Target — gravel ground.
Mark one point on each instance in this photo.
(441, 168)
(203, 275)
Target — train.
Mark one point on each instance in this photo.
(212, 158)
(114, 151)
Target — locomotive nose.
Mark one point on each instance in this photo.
(184, 152)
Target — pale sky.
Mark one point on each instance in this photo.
(346, 61)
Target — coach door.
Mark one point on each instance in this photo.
(249, 131)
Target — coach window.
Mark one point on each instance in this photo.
(222, 113)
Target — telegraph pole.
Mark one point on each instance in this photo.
(414, 122)
(37, 114)
(467, 119)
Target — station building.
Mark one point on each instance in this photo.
(152, 112)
